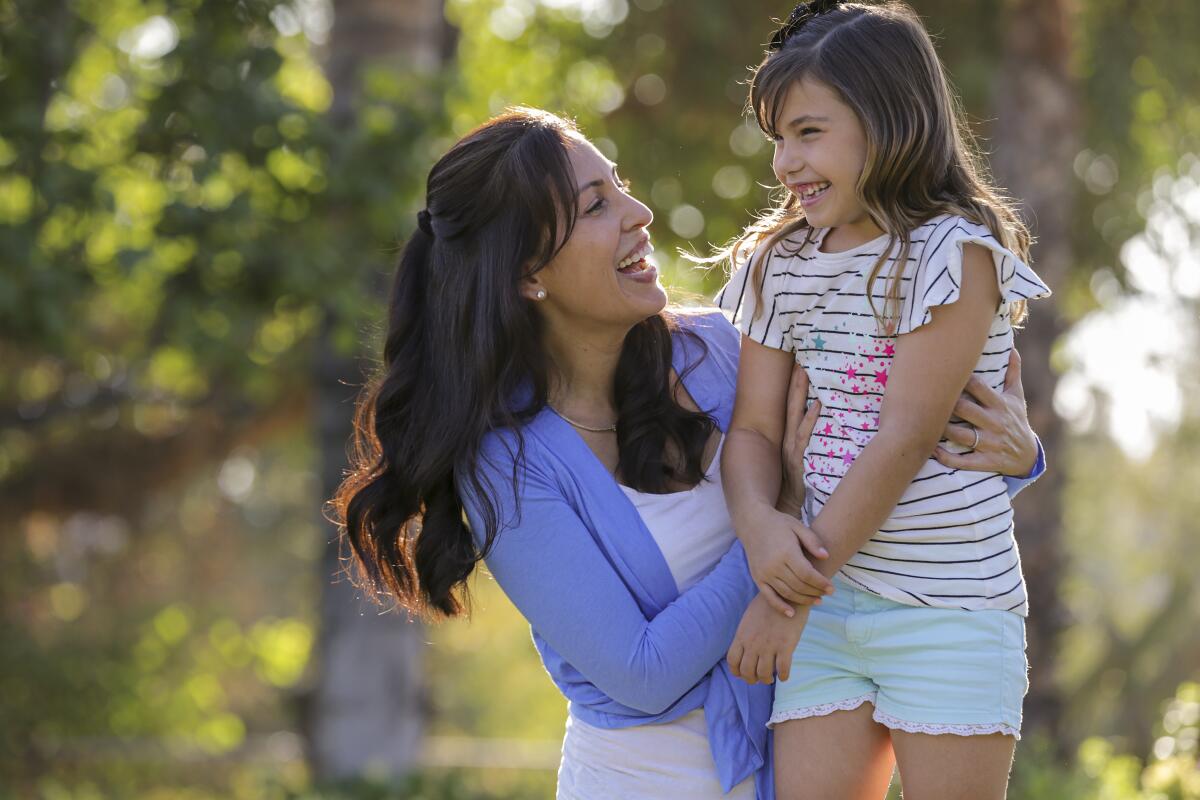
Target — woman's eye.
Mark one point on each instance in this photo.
(594, 207)
(807, 131)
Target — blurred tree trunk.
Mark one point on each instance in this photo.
(1036, 138)
(366, 713)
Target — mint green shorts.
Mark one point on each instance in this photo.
(925, 670)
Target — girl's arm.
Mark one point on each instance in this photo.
(751, 475)
(548, 564)
(931, 366)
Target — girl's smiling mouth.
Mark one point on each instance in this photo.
(809, 193)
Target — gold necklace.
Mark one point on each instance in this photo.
(607, 429)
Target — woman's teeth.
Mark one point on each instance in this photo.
(814, 189)
(637, 258)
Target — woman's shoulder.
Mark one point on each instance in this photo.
(710, 324)
(701, 319)
(520, 444)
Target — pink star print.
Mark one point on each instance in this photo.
(881, 377)
(847, 459)
(855, 389)
(828, 429)
(851, 374)
(889, 349)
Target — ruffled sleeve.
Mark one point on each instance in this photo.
(748, 289)
(938, 272)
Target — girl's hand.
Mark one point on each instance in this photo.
(764, 643)
(1007, 444)
(797, 429)
(775, 549)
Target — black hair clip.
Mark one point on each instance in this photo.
(425, 222)
(800, 17)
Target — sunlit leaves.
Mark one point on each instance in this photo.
(16, 199)
(300, 80)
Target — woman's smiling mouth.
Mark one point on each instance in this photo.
(636, 262)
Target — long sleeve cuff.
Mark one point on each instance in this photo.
(1015, 485)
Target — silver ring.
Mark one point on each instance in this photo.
(975, 443)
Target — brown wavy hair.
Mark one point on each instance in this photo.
(463, 356)
(921, 157)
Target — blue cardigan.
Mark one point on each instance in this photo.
(614, 633)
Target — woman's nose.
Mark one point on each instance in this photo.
(640, 215)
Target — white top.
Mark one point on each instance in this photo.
(672, 759)
(949, 542)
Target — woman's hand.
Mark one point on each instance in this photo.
(1006, 443)
(764, 643)
(778, 549)
(797, 429)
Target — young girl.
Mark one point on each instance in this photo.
(892, 272)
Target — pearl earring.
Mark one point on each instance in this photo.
(541, 294)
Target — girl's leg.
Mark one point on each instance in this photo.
(950, 767)
(845, 755)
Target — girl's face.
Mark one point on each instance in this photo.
(602, 277)
(820, 152)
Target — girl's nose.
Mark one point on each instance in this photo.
(787, 164)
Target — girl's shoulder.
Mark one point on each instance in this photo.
(938, 243)
(798, 244)
(942, 229)
(933, 273)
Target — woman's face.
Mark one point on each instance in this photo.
(602, 277)
(820, 153)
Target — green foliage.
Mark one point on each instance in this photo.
(1142, 107)
(1170, 772)
(178, 211)
(137, 658)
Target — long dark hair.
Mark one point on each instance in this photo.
(462, 345)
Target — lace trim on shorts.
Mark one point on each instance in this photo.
(823, 710)
(938, 729)
(895, 723)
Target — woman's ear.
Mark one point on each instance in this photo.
(532, 288)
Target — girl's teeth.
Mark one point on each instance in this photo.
(810, 191)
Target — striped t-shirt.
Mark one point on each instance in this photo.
(949, 542)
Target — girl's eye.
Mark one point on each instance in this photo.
(807, 131)
(594, 207)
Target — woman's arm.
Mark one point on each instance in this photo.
(548, 564)
(931, 366)
(799, 423)
(1006, 444)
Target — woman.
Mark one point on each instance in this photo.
(539, 407)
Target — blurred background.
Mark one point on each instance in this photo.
(200, 203)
